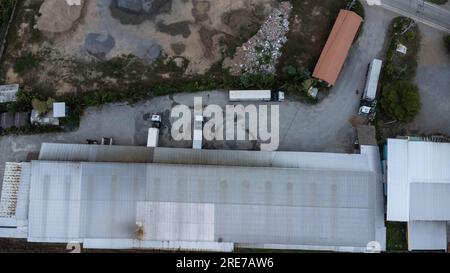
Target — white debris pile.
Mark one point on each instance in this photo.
(261, 53)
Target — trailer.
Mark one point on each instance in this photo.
(373, 76)
(255, 95)
(153, 137)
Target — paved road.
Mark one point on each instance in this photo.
(421, 11)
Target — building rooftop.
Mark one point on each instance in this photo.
(418, 185)
(274, 200)
(337, 47)
(8, 93)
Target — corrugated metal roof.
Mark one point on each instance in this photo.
(337, 47)
(430, 201)
(176, 221)
(8, 92)
(398, 185)
(132, 154)
(10, 189)
(422, 167)
(329, 161)
(427, 235)
(419, 190)
(251, 205)
(55, 208)
(95, 153)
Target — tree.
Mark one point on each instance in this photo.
(401, 101)
(43, 107)
(447, 42)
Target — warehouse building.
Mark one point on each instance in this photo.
(115, 197)
(419, 191)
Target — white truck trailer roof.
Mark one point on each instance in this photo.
(153, 137)
(250, 95)
(373, 76)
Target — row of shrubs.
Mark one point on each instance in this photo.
(400, 95)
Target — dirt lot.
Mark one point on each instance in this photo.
(188, 36)
(101, 46)
(310, 27)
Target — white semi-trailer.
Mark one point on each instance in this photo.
(373, 76)
(153, 137)
(255, 95)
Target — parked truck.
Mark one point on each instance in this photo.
(255, 95)
(369, 96)
(153, 132)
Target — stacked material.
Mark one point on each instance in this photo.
(261, 53)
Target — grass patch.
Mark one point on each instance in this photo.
(26, 63)
(396, 236)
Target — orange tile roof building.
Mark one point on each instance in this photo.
(337, 47)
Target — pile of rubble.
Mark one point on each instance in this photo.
(261, 53)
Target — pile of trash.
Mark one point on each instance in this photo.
(261, 53)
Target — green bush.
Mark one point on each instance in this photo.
(32, 130)
(259, 81)
(398, 66)
(26, 63)
(401, 101)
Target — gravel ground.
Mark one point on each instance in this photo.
(433, 79)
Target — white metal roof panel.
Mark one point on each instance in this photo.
(174, 221)
(373, 78)
(318, 207)
(427, 235)
(327, 161)
(54, 211)
(398, 184)
(8, 92)
(422, 167)
(94, 153)
(59, 109)
(430, 201)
